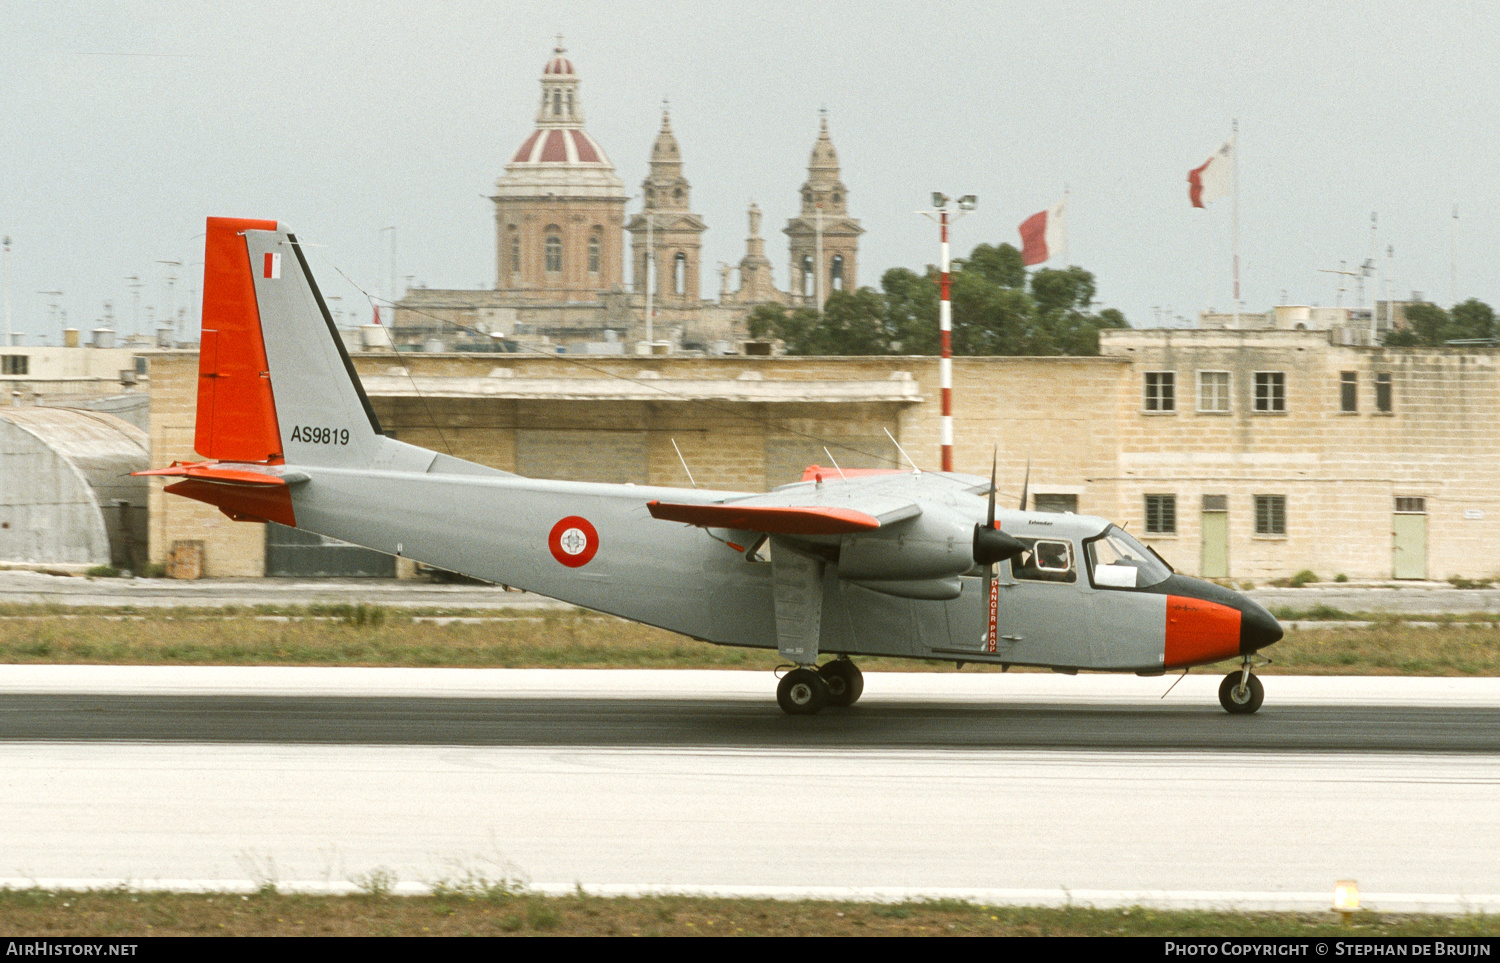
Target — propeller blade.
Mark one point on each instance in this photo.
(989, 521)
(1026, 483)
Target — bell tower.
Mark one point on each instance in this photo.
(824, 239)
(667, 233)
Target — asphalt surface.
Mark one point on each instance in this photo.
(687, 723)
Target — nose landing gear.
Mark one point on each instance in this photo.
(1241, 693)
(806, 690)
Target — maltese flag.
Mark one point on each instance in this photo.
(1043, 234)
(272, 266)
(1214, 179)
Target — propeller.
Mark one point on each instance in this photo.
(991, 545)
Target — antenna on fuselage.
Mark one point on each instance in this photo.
(835, 463)
(1025, 483)
(684, 463)
(914, 469)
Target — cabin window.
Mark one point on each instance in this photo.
(1044, 560)
(1161, 391)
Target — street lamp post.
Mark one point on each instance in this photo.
(945, 316)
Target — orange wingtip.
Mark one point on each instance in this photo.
(774, 520)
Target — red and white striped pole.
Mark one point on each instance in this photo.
(945, 318)
(945, 326)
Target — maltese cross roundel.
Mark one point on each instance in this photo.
(573, 541)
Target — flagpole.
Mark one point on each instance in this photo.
(1063, 225)
(1235, 217)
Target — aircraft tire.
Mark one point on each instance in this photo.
(844, 680)
(1242, 703)
(802, 692)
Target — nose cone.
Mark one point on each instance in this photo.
(1258, 628)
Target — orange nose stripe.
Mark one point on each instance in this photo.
(1200, 632)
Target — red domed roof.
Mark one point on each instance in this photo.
(559, 146)
(558, 64)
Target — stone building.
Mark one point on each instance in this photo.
(560, 234)
(667, 234)
(824, 240)
(559, 205)
(1244, 455)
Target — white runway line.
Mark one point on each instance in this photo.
(1197, 689)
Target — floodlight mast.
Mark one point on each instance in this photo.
(945, 316)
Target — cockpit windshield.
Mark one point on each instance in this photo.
(1117, 560)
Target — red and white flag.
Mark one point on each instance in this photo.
(376, 307)
(1214, 179)
(1043, 235)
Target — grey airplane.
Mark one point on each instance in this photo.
(914, 564)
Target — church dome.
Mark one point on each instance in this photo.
(558, 156)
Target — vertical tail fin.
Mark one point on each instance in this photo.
(275, 383)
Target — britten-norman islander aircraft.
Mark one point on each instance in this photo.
(916, 564)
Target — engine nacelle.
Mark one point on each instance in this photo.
(931, 546)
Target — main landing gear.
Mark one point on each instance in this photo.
(805, 690)
(1241, 692)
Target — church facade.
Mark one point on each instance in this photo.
(561, 237)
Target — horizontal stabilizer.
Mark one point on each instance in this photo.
(243, 492)
(774, 520)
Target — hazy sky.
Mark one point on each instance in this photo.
(123, 125)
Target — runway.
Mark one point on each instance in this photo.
(999, 788)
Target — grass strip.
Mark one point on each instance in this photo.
(571, 638)
(502, 911)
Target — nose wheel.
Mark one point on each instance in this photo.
(1241, 692)
(805, 690)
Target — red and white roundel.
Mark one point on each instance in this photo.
(573, 541)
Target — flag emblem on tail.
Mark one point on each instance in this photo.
(272, 267)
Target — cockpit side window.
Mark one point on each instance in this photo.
(1045, 560)
(1118, 561)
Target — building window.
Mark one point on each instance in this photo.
(1411, 506)
(1270, 391)
(515, 251)
(1161, 514)
(1383, 393)
(836, 273)
(15, 364)
(1270, 514)
(807, 276)
(679, 274)
(1161, 391)
(595, 244)
(1348, 391)
(1213, 391)
(1054, 502)
(554, 249)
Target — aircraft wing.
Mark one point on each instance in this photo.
(799, 511)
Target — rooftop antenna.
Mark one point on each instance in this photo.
(1343, 273)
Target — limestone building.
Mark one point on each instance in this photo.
(559, 205)
(666, 239)
(1243, 455)
(824, 239)
(560, 236)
